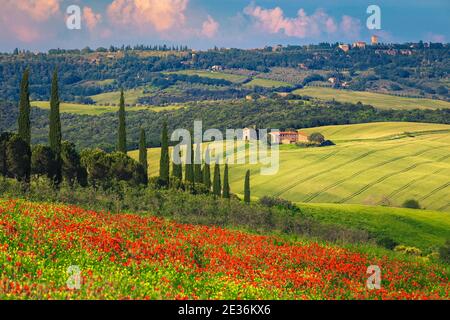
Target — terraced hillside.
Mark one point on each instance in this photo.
(381, 171)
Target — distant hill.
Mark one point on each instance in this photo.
(383, 101)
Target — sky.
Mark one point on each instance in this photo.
(39, 25)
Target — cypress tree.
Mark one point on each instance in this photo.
(55, 127)
(216, 184)
(189, 175)
(198, 176)
(226, 184)
(164, 163)
(24, 109)
(122, 134)
(177, 169)
(143, 159)
(247, 187)
(207, 171)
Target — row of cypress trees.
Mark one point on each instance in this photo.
(194, 172)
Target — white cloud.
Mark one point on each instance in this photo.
(303, 25)
(160, 15)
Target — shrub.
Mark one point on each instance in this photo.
(278, 202)
(444, 252)
(408, 250)
(317, 138)
(18, 158)
(411, 204)
(387, 243)
(42, 161)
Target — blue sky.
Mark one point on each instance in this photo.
(200, 24)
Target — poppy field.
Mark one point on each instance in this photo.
(131, 256)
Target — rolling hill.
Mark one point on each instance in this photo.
(378, 100)
(93, 110)
(381, 171)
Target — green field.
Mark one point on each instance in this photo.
(213, 75)
(378, 100)
(93, 110)
(131, 96)
(424, 229)
(267, 83)
(372, 172)
(381, 130)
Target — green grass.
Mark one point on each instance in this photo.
(213, 75)
(93, 110)
(378, 100)
(424, 229)
(372, 172)
(131, 96)
(267, 83)
(381, 130)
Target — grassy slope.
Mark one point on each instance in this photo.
(360, 172)
(236, 78)
(424, 229)
(378, 100)
(131, 96)
(382, 130)
(267, 83)
(97, 110)
(213, 75)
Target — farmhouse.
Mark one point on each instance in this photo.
(359, 44)
(288, 137)
(344, 47)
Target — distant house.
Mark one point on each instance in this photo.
(359, 44)
(374, 40)
(288, 137)
(216, 68)
(344, 47)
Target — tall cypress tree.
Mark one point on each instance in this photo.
(122, 134)
(198, 176)
(24, 109)
(226, 184)
(143, 159)
(216, 184)
(247, 187)
(177, 169)
(189, 175)
(55, 127)
(164, 162)
(207, 171)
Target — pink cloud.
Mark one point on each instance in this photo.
(39, 10)
(210, 27)
(432, 37)
(91, 18)
(350, 27)
(25, 20)
(161, 15)
(303, 25)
